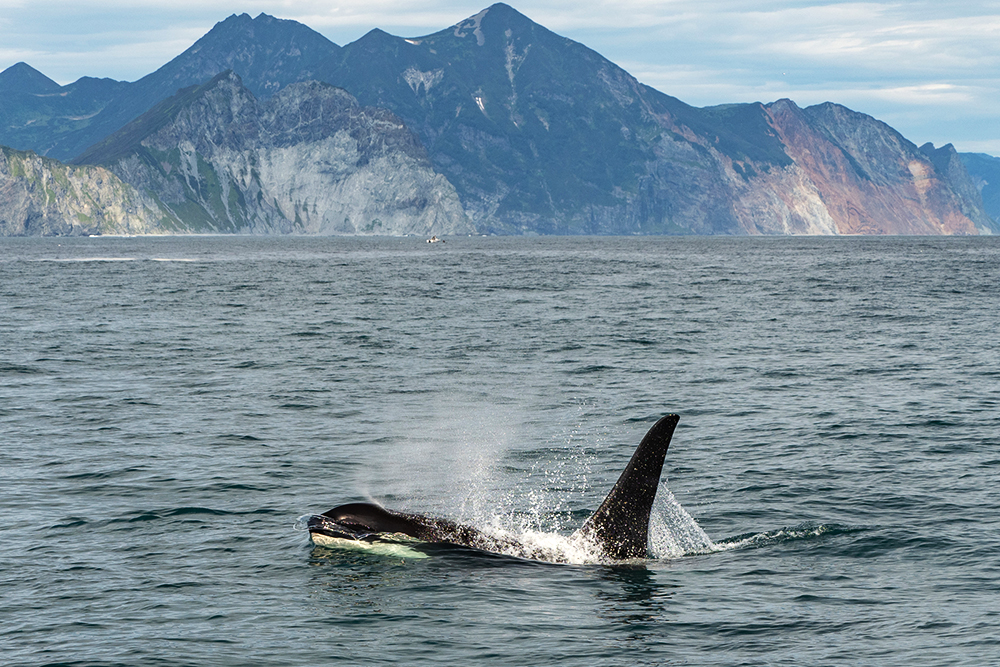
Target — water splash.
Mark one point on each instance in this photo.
(544, 546)
(442, 460)
(537, 533)
(672, 531)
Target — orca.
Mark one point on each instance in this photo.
(617, 531)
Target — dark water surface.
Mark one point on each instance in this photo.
(170, 406)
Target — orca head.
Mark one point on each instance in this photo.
(359, 521)
(322, 525)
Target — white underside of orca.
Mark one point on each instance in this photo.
(384, 546)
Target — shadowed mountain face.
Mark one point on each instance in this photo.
(536, 131)
(38, 114)
(539, 134)
(267, 53)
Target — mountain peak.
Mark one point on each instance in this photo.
(494, 20)
(233, 21)
(506, 12)
(929, 148)
(377, 35)
(238, 29)
(23, 78)
(268, 53)
(244, 21)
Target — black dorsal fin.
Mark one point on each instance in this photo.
(620, 526)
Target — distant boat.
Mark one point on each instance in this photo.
(435, 239)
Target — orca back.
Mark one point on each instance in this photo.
(620, 526)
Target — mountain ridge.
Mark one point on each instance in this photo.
(538, 133)
(237, 42)
(577, 145)
(985, 172)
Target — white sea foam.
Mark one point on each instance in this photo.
(550, 547)
(755, 540)
(85, 259)
(78, 260)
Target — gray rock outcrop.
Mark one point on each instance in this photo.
(308, 160)
(44, 197)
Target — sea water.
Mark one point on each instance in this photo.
(170, 406)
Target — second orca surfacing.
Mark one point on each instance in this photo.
(617, 531)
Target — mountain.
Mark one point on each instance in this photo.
(44, 197)
(531, 131)
(950, 166)
(38, 114)
(539, 133)
(266, 52)
(985, 172)
(306, 160)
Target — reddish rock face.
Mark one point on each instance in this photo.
(868, 177)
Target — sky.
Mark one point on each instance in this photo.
(930, 69)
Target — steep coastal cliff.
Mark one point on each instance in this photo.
(43, 197)
(308, 160)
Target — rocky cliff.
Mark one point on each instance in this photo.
(43, 197)
(307, 160)
(851, 174)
